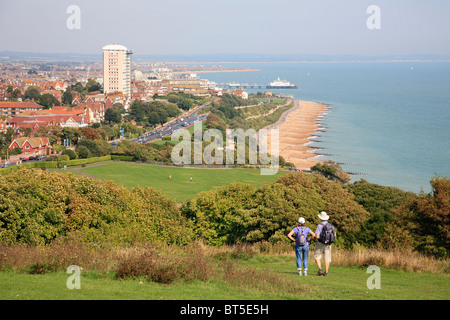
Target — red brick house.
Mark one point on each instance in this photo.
(38, 145)
(12, 109)
(3, 126)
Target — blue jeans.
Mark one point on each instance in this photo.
(301, 254)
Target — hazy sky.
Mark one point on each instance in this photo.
(228, 26)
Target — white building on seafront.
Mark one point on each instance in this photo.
(117, 70)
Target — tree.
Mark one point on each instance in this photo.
(16, 93)
(67, 97)
(185, 104)
(72, 155)
(137, 110)
(48, 101)
(242, 213)
(332, 170)
(423, 222)
(91, 145)
(72, 134)
(83, 152)
(92, 85)
(88, 133)
(154, 118)
(32, 93)
(380, 201)
(119, 106)
(113, 116)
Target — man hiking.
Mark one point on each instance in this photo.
(300, 236)
(325, 235)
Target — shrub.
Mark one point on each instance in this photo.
(38, 207)
(72, 155)
(240, 213)
(41, 268)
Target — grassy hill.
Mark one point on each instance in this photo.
(179, 187)
(270, 278)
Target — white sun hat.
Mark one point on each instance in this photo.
(301, 220)
(323, 216)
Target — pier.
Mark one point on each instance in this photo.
(231, 85)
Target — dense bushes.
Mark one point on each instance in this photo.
(422, 223)
(37, 207)
(379, 201)
(241, 213)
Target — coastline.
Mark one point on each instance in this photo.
(214, 71)
(296, 127)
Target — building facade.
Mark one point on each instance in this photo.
(117, 69)
(11, 109)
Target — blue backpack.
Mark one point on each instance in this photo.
(301, 236)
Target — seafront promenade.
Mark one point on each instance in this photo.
(296, 127)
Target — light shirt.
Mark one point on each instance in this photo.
(320, 227)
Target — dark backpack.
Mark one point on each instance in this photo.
(301, 238)
(327, 234)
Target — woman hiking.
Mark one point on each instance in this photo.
(300, 236)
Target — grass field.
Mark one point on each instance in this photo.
(179, 186)
(343, 283)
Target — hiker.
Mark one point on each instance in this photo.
(300, 236)
(325, 235)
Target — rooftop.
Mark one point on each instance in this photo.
(115, 46)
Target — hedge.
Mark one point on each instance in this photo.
(122, 158)
(54, 164)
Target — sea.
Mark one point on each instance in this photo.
(387, 122)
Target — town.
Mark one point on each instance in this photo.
(38, 95)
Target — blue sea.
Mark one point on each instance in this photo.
(389, 122)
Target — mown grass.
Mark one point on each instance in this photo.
(179, 186)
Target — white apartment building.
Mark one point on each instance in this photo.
(117, 69)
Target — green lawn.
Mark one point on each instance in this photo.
(343, 283)
(350, 283)
(179, 186)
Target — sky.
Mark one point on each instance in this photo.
(323, 27)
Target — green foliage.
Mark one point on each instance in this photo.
(48, 101)
(72, 155)
(53, 164)
(332, 170)
(38, 207)
(423, 222)
(154, 113)
(93, 148)
(143, 152)
(58, 147)
(240, 213)
(379, 201)
(113, 116)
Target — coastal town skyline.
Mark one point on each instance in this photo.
(232, 27)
